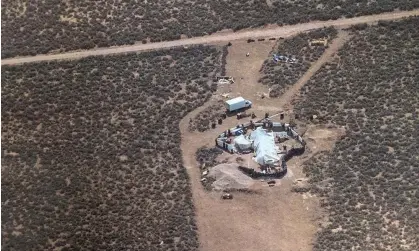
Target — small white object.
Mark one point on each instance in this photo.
(225, 95)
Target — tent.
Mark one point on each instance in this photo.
(264, 147)
(242, 143)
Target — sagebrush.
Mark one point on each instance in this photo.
(38, 27)
(91, 156)
(369, 182)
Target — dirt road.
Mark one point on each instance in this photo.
(287, 98)
(276, 218)
(226, 36)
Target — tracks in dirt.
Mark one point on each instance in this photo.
(239, 234)
(283, 31)
(225, 225)
(291, 93)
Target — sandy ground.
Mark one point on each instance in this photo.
(320, 138)
(274, 218)
(224, 36)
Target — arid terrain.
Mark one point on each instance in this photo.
(224, 36)
(275, 218)
(102, 147)
(90, 155)
(369, 182)
(361, 161)
(39, 27)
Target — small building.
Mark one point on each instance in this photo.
(242, 143)
(263, 144)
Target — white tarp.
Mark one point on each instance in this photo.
(264, 147)
(242, 143)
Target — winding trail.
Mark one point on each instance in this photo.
(226, 36)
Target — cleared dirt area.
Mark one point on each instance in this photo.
(322, 138)
(274, 218)
(226, 36)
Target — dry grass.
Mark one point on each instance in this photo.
(93, 158)
(37, 27)
(281, 76)
(369, 181)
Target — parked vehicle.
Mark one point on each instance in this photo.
(237, 104)
(227, 196)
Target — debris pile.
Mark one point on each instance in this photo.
(225, 80)
(282, 58)
(319, 42)
(228, 176)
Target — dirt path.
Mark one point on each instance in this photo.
(291, 93)
(225, 36)
(276, 218)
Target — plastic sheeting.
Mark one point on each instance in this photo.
(242, 143)
(264, 147)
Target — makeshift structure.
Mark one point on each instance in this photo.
(242, 144)
(262, 142)
(264, 146)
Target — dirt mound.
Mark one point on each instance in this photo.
(228, 176)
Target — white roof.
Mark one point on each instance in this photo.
(242, 143)
(235, 100)
(264, 147)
